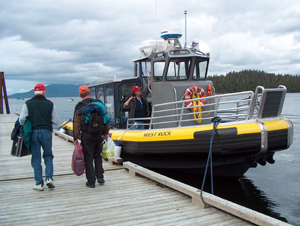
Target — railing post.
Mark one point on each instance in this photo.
(3, 87)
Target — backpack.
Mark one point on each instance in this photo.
(95, 123)
(92, 121)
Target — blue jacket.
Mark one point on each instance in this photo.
(96, 107)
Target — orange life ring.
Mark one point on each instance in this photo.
(194, 92)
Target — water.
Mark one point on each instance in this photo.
(272, 189)
(64, 108)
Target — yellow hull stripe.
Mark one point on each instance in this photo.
(187, 133)
(275, 125)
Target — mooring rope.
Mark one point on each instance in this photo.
(216, 120)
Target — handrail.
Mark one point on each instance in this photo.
(230, 107)
(101, 80)
(234, 108)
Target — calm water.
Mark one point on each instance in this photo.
(271, 189)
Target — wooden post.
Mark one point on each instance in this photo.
(1, 98)
(3, 87)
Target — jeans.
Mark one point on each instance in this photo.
(41, 138)
(92, 149)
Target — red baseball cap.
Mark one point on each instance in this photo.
(83, 89)
(136, 88)
(40, 87)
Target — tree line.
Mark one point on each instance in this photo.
(249, 79)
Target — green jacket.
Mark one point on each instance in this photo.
(23, 131)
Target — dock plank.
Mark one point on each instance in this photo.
(124, 199)
(62, 151)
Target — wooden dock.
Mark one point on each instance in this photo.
(132, 195)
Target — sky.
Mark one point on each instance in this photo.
(72, 41)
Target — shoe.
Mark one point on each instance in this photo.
(50, 183)
(90, 185)
(38, 187)
(101, 181)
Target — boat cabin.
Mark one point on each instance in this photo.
(173, 70)
(180, 93)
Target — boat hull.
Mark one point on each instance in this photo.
(235, 147)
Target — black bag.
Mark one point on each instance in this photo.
(95, 123)
(19, 149)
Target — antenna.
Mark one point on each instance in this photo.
(185, 12)
(156, 24)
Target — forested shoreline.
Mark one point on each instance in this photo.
(249, 79)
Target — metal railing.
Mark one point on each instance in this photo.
(101, 80)
(230, 107)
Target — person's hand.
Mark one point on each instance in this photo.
(105, 136)
(75, 142)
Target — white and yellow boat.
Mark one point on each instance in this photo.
(183, 103)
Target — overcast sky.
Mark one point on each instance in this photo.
(72, 41)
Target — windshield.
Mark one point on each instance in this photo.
(142, 68)
(158, 70)
(200, 69)
(178, 69)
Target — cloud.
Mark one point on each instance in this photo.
(77, 41)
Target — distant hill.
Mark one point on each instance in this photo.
(54, 90)
(249, 79)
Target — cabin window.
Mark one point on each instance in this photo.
(200, 70)
(93, 92)
(127, 88)
(179, 52)
(160, 55)
(142, 68)
(178, 69)
(109, 99)
(100, 93)
(158, 70)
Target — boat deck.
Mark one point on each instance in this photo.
(132, 195)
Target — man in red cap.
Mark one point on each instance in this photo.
(42, 115)
(137, 106)
(91, 142)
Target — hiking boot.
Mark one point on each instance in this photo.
(50, 183)
(101, 181)
(90, 185)
(38, 187)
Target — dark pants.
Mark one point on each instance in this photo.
(92, 148)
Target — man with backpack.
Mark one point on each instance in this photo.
(90, 119)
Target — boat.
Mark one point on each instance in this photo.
(19, 98)
(190, 124)
(70, 99)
